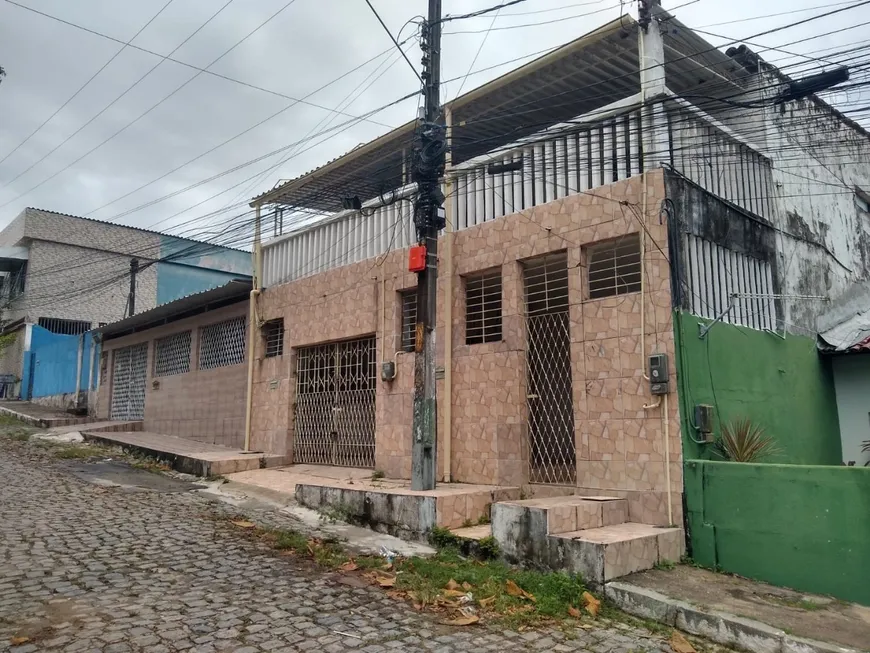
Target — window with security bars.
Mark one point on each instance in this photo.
(483, 308)
(273, 333)
(545, 280)
(614, 267)
(64, 327)
(222, 344)
(408, 301)
(172, 354)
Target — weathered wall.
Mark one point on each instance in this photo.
(618, 442)
(803, 527)
(782, 385)
(202, 405)
(852, 381)
(196, 267)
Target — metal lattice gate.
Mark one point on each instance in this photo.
(552, 451)
(128, 382)
(335, 404)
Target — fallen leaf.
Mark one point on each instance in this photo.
(387, 581)
(593, 605)
(242, 523)
(466, 620)
(453, 593)
(350, 565)
(451, 585)
(487, 601)
(680, 644)
(574, 612)
(586, 626)
(396, 594)
(466, 586)
(17, 641)
(513, 589)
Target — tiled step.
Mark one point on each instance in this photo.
(473, 532)
(602, 554)
(555, 515)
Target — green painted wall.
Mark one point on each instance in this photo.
(783, 385)
(800, 526)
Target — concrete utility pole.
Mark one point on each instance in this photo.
(428, 167)
(134, 270)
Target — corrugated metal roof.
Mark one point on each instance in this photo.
(845, 327)
(235, 291)
(590, 72)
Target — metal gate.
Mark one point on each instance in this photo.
(128, 382)
(335, 404)
(552, 452)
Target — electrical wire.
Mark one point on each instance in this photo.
(393, 39)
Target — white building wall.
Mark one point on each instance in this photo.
(852, 382)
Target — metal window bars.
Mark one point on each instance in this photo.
(408, 303)
(549, 390)
(128, 382)
(172, 354)
(483, 318)
(334, 417)
(614, 267)
(64, 327)
(223, 343)
(273, 334)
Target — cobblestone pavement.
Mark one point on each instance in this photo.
(91, 568)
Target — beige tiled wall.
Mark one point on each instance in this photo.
(618, 427)
(203, 405)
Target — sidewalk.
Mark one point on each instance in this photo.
(737, 611)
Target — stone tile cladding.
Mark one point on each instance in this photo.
(619, 445)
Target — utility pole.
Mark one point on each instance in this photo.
(134, 269)
(428, 167)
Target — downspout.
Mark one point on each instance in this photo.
(448, 303)
(253, 325)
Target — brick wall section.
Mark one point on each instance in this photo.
(618, 441)
(202, 405)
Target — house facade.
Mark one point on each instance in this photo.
(67, 275)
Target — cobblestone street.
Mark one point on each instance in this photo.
(91, 568)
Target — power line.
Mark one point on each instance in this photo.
(85, 85)
(393, 39)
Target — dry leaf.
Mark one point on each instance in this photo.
(680, 644)
(485, 602)
(453, 593)
(451, 585)
(593, 605)
(513, 589)
(466, 586)
(574, 612)
(242, 523)
(586, 626)
(387, 581)
(465, 620)
(350, 565)
(396, 594)
(17, 641)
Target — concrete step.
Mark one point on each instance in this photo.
(555, 515)
(475, 533)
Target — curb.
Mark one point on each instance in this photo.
(720, 627)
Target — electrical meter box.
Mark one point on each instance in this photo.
(658, 374)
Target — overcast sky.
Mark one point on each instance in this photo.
(307, 45)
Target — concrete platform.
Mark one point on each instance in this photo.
(385, 505)
(185, 455)
(40, 416)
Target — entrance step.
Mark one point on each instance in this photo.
(585, 535)
(475, 533)
(554, 515)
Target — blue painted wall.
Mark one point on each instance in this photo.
(195, 267)
(55, 360)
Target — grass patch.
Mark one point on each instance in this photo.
(18, 436)
(75, 452)
(665, 565)
(149, 464)
(442, 538)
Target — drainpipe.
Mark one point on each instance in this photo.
(253, 324)
(448, 302)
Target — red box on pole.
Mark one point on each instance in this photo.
(417, 258)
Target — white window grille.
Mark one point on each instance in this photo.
(483, 308)
(64, 327)
(614, 267)
(730, 286)
(222, 344)
(273, 333)
(172, 354)
(408, 301)
(546, 284)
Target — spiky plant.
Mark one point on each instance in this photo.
(745, 442)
